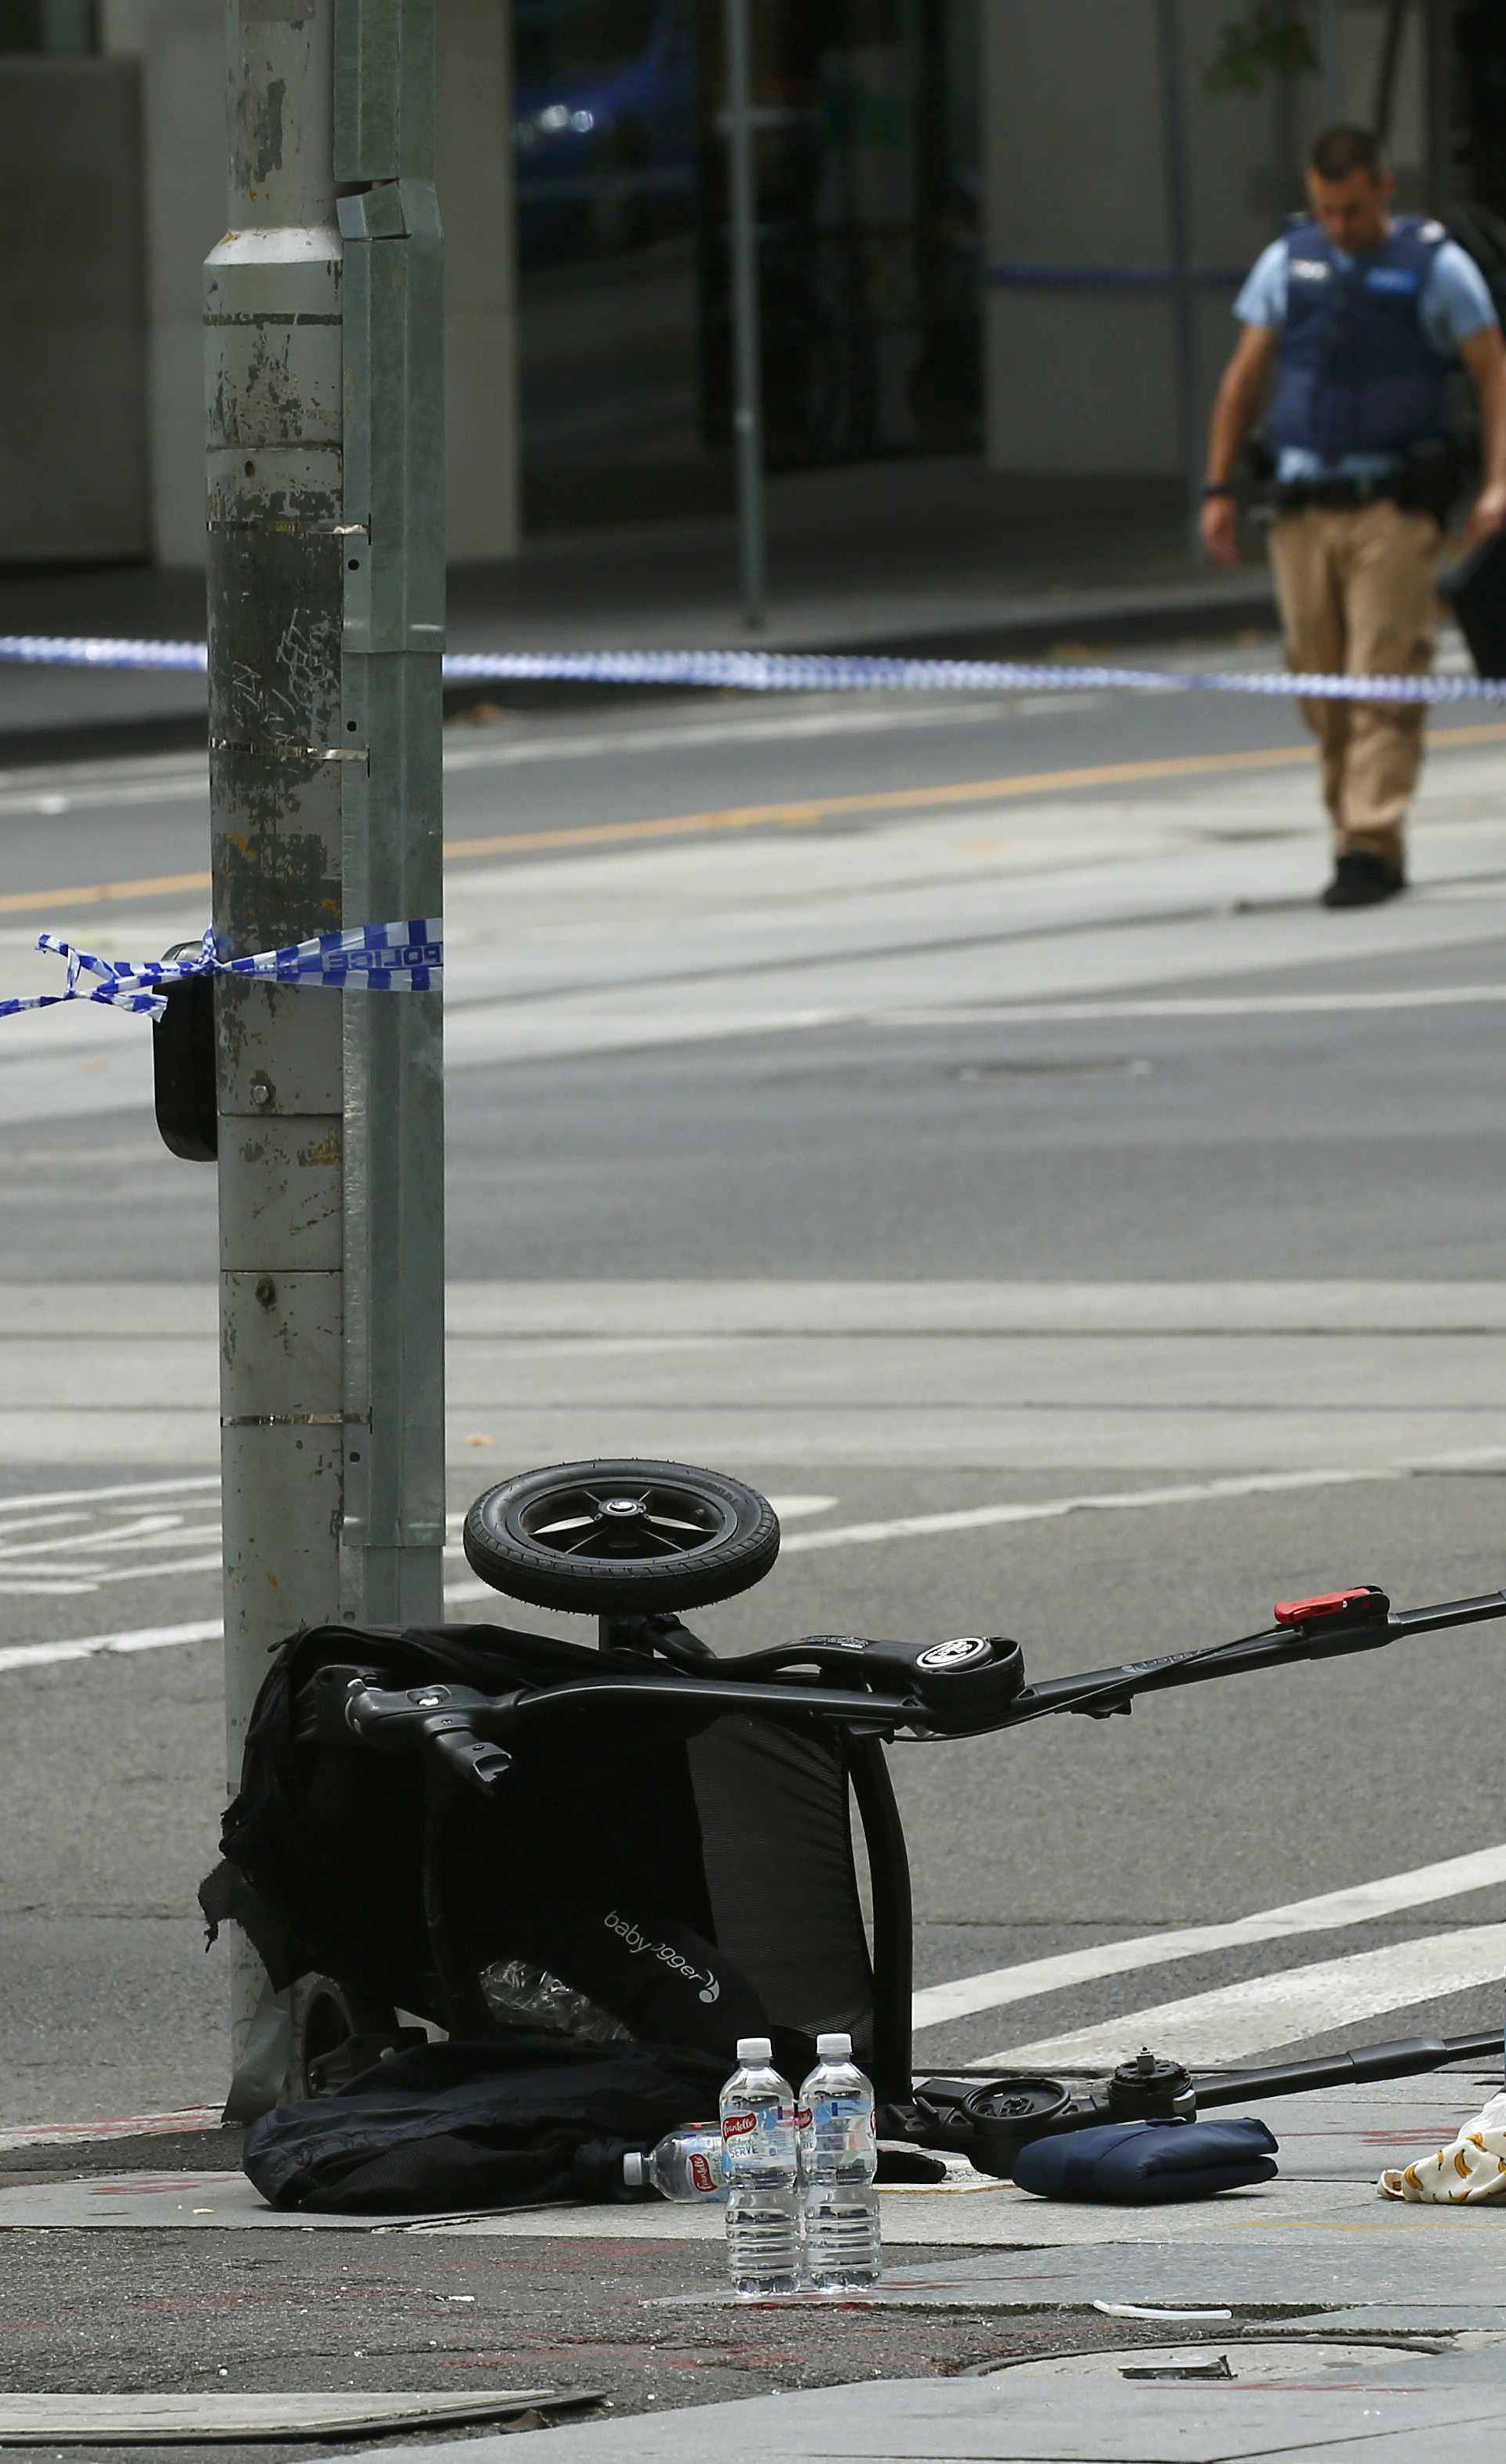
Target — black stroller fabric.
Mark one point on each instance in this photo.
(690, 1877)
(1147, 2163)
(479, 2126)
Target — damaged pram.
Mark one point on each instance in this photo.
(524, 1843)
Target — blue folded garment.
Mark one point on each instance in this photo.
(1144, 2163)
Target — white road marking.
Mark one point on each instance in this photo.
(114, 1488)
(64, 1566)
(90, 1646)
(980, 1518)
(1192, 1492)
(67, 1563)
(1359, 1904)
(38, 1654)
(1237, 2020)
(146, 1532)
(94, 1579)
(1213, 1005)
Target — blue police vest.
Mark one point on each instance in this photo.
(1357, 373)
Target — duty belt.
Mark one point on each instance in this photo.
(1340, 495)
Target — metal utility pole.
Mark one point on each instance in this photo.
(1392, 41)
(1330, 63)
(1440, 71)
(1177, 173)
(326, 614)
(747, 379)
(394, 616)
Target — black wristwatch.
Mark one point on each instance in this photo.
(1219, 488)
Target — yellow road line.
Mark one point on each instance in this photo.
(805, 814)
(899, 799)
(886, 799)
(161, 885)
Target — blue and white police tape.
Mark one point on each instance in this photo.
(804, 671)
(401, 958)
(90, 650)
(811, 672)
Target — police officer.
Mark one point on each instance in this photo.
(1360, 316)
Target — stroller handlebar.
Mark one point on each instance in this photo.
(1329, 1628)
(716, 1694)
(472, 1733)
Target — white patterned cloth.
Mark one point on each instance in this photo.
(1472, 2168)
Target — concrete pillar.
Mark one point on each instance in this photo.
(181, 44)
(473, 157)
(1080, 369)
(72, 312)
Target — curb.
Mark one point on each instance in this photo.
(134, 2125)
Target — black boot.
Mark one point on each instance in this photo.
(1361, 879)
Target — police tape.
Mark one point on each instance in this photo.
(404, 957)
(801, 672)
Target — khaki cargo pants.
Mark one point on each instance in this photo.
(1359, 596)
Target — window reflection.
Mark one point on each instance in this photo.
(867, 166)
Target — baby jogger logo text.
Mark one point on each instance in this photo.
(623, 1926)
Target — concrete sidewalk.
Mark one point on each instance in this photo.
(1054, 1377)
(938, 557)
(1335, 2326)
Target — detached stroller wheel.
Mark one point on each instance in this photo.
(621, 1539)
(337, 2033)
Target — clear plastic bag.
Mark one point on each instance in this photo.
(521, 1996)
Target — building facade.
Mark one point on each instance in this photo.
(1004, 229)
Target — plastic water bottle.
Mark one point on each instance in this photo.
(838, 2158)
(758, 2151)
(686, 2165)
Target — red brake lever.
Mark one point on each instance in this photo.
(1367, 1598)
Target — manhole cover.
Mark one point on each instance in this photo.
(1113, 1064)
(1244, 838)
(1235, 2360)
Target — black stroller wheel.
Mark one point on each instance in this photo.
(337, 2033)
(621, 1539)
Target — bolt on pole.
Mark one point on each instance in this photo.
(323, 316)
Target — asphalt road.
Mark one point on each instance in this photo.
(1163, 1189)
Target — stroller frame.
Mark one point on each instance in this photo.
(469, 1739)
